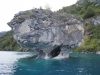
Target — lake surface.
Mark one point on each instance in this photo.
(20, 63)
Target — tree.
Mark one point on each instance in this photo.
(47, 7)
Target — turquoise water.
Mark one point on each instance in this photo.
(21, 63)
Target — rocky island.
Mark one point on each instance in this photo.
(45, 31)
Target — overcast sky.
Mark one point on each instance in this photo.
(10, 7)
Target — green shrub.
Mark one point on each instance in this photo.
(89, 13)
(7, 42)
(81, 12)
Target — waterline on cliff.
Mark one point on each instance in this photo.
(60, 56)
(46, 57)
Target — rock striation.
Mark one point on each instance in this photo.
(46, 30)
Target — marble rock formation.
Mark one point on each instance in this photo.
(45, 30)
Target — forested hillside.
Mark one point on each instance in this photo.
(8, 43)
(87, 11)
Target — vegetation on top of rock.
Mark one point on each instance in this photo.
(36, 14)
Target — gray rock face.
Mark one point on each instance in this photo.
(45, 30)
(96, 21)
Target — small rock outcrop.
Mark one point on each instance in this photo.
(46, 30)
(94, 20)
